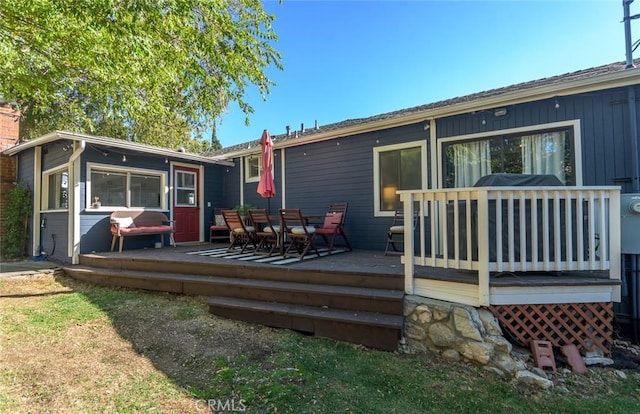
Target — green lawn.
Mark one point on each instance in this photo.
(73, 347)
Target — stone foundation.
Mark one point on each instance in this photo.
(458, 332)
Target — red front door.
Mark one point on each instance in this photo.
(186, 208)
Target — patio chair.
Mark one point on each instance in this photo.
(218, 229)
(268, 235)
(297, 230)
(333, 226)
(241, 234)
(395, 234)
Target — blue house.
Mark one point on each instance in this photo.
(580, 127)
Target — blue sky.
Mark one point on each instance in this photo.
(354, 59)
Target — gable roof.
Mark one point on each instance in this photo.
(587, 80)
(114, 143)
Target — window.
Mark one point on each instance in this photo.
(185, 188)
(55, 190)
(549, 151)
(253, 168)
(397, 167)
(112, 187)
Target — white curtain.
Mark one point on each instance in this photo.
(472, 160)
(543, 154)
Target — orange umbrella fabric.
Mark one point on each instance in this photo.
(266, 186)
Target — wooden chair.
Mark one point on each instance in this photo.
(268, 235)
(299, 232)
(395, 234)
(218, 229)
(333, 226)
(240, 233)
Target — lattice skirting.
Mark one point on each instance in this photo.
(586, 325)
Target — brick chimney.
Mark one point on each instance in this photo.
(9, 135)
(9, 125)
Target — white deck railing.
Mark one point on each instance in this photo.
(523, 229)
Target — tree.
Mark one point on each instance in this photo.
(153, 71)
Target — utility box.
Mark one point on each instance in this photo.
(630, 223)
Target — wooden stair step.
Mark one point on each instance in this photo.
(375, 330)
(347, 297)
(247, 271)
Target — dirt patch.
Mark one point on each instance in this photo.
(168, 345)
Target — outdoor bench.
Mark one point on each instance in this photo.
(137, 223)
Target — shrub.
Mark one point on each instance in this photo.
(18, 208)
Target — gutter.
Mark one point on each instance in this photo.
(117, 143)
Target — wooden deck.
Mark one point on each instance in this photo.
(354, 296)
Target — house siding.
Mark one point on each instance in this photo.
(213, 177)
(54, 236)
(251, 195)
(53, 156)
(342, 170)
(95, 225)
(604, 129)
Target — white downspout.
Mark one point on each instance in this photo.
(73, 248)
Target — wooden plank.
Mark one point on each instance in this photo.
(340, 297)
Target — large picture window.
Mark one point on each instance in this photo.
(111, 187)
(56, 190)
(397, 167)
(544, 151)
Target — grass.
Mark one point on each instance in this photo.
(73, 347)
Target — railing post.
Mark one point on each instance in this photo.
(483, 247)
(407, 256)
(614, 241)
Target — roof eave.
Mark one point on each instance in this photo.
(112, 142)
(611, 80)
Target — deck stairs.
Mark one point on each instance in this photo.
(353, 307)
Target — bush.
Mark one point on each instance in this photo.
(18, 208)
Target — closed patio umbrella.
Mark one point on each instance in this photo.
(266, 186)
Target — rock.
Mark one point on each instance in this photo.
(505, 363)
(490, 322)
(451, 355)
(409, 307)
(413, 331)
(564, 371)
(594, 353)
(500, 344)
(529, 378)
(468, 324)
(441, 335)
(620, 374)
(562, 390)
(539, 372)
(477, 351)
(597, 361)
(424, 314)
(416, 346)
(440, 313)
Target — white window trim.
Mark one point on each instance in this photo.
(44, 200)
(247, 178)
(577, 142)
(107, 167)
(176, 188)
(376, 171)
